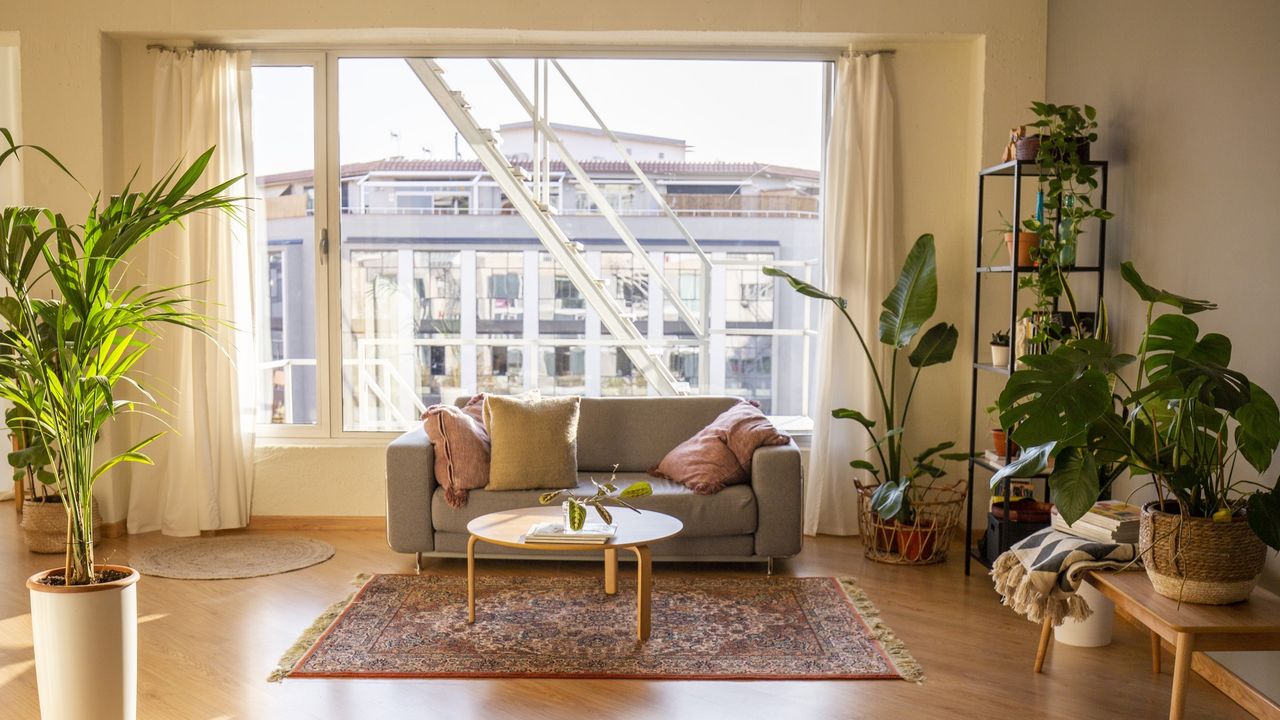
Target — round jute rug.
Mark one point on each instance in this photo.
(223, 558)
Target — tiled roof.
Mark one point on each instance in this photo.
(653, 168)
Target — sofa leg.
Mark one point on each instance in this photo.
(417, 563)
(768, 567)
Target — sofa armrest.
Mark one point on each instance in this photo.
(410, 484)
(776, 481)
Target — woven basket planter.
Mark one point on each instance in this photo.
(924, 541)
(1197, 560)
(44, 526)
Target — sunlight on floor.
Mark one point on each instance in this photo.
(15, 632)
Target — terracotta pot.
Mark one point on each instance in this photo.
(1026, 241)
(915, 542)
(884, 536)
(1003, 446)
(1197, 560)
(86, 647)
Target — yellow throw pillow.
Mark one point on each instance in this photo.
(533, 443)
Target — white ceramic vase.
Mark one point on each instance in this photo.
(86, 645)
(1094, 632)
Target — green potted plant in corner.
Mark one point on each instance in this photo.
(906, 482)
(1183, 422)
(65, 386)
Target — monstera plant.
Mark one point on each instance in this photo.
(904, 314)
(1184, 419)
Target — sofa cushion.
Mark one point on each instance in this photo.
(461, 448)
(533, 443)
(730, 512)
(719, 454)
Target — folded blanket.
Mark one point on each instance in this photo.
(1042, 573)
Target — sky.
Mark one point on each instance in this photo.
(726, 110)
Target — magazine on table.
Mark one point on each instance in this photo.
(555, 532)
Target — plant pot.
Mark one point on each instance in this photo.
(1026, 241)
(884, 536)
(1197, 560)
(1002, 445)
(86, 647)
(1096, 630)
(1027, 148)
(1000, 356)
(44, 525)
(915, 542)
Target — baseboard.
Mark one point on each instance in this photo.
(318, 522)
(1219, 676)
(115, 529)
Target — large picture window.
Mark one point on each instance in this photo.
(422, 245)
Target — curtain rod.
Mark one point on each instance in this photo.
(868, 53)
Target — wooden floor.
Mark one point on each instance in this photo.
(207, 647)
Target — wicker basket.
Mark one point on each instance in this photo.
(44, 526)
(1197, 560)
(922, 542)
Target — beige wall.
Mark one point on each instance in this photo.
(963, 69)
(1187, 96)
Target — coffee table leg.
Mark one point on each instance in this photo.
(471, 579)
(644, 591)
(611, 571)
(1185, 645)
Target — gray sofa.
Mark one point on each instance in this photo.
(755, 521)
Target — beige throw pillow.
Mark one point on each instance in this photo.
(533, 444)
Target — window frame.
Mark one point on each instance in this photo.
(327, 214)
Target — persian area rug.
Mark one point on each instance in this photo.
(704, 628)
(235, 556)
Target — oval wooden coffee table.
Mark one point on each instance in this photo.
(636, 531)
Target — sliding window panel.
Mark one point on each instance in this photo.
(288, 216)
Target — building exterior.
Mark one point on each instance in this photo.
(446, 291)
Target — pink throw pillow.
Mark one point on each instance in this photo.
(719, 455)
(461, 448)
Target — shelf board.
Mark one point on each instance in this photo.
(982, 269)
(988, 367)
(1027, 168)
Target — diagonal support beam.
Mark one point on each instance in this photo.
(593, 191)
(563, 250)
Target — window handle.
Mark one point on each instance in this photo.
(324, 245)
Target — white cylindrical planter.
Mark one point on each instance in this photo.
(1094, 632)
(86, 644)
(1000, 355)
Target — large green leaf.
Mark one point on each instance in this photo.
(1258, 433)
(1150, 294)
(854, 415)
(637, 489)
(889, 500)
(1074, 484)
(914, 298)
(936, 346)
(1054, 399)
(804, 288)
(1032, 462)
(1264, 517)
(1174, 349)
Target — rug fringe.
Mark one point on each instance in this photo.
(903, 662)
(291, 657)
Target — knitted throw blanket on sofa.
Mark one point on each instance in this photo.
(1042, 573)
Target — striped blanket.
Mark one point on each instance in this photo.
(1042, 573)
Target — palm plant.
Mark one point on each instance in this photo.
(905, 311)
(63, 360)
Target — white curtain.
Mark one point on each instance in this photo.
(203, 477)
(859, 265)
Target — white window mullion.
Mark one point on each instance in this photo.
(533, 354)
(467, 287)
(591, 353)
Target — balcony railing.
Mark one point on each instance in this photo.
(753, 206)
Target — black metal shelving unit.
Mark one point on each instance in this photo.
(1017, 171)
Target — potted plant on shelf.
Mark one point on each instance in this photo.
(1001, 445)
(905, 504)
(65, 386)
(1000, 348)
(1065, 189)
(1183, 422)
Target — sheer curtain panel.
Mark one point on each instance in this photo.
(859, 265)
(203, 476)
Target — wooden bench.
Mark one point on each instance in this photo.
(1251, 625)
